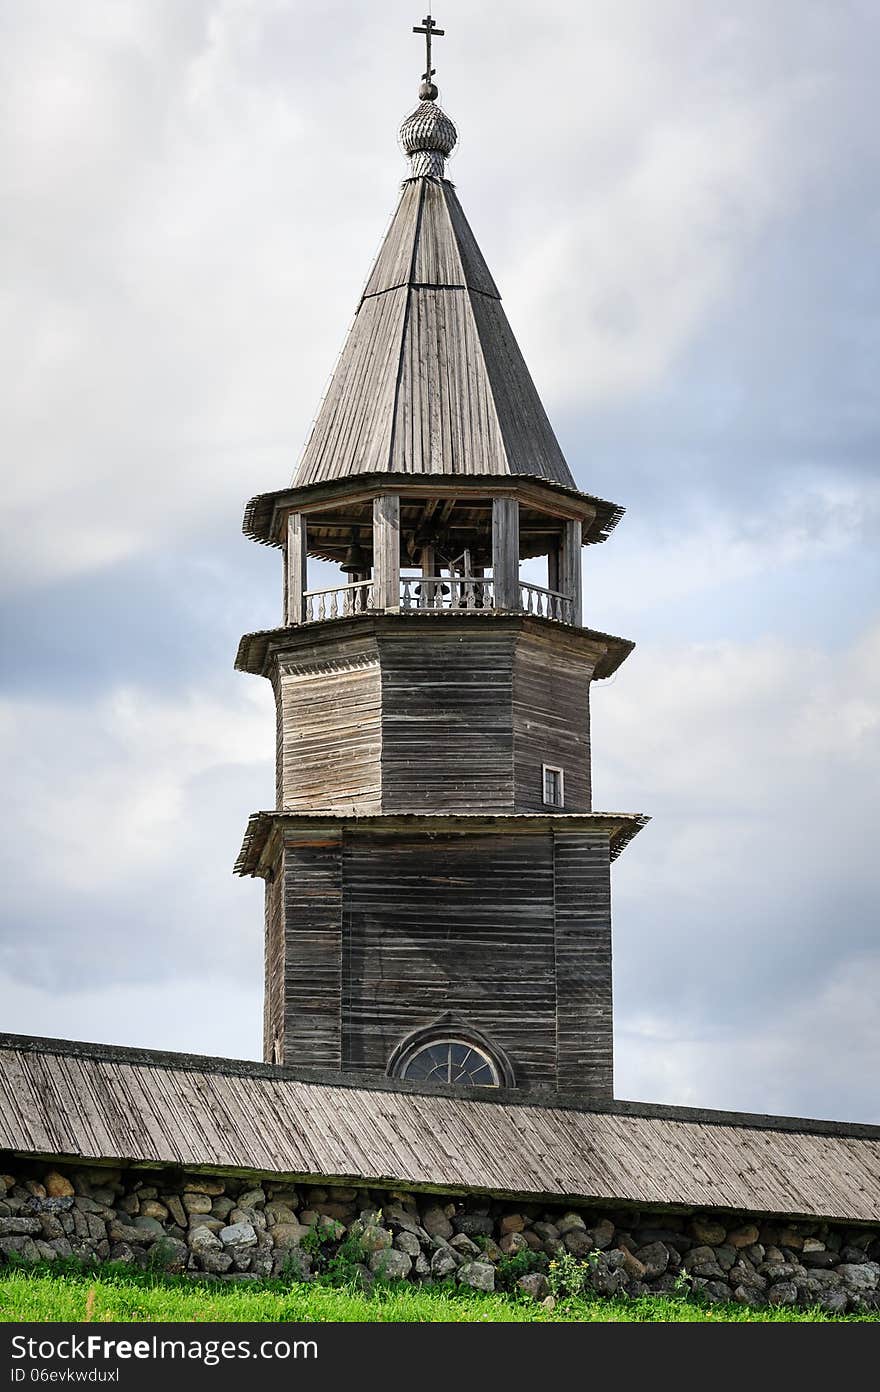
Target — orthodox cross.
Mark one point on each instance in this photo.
(428, 27)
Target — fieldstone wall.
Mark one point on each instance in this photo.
(235, 1229)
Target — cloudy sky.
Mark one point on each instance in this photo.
(680, 202)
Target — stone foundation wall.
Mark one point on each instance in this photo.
(235, 1229)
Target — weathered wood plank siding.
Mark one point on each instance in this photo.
(330, 725)
(429, 929)
(274, 955)
(447, 732)
(412, 716)
(313, 950)
(551, 720)
(584, 1024)
(68, 1101)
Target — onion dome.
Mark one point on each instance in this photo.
(428, 136)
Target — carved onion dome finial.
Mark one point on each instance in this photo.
(428, 135)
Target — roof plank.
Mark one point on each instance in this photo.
(65, 1100)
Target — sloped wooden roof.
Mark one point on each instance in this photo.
(63, 1100)
(431, 379)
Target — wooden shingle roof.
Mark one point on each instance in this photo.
(69, 1101)
(431, 379)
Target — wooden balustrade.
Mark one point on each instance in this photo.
(545, 604)
(338, 602)
(448, 592)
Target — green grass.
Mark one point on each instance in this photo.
(119, 1294)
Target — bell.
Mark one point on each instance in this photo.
(355, 561)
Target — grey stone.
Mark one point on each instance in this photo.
(436, 1223)
(60, 1203)
(175, 1209)
(391, 1263)
(744, 1236)
(669, 1237)
(238, 1235)
(713, 1291)
(862, 1276)
(201, 1239)
(511, 1222)
(254, 1216)
(479, 1275)
(169, 1254)
(654, 1258)
(777, 1271)
(700, 1261)
(513, 1243)
(578, 1242)
(252, 1198)
(151, 1226)
(421, 1265)
(117, 1231)
(276, 1212)
(853, 1256)
(603, 1234)
(833, 1302)
(409, 1243)
(18, 1227)
(151, 1208)
(545, 1231)
(202, 1184)
(286, 1235)
(707, 1232)
(197, 1203)
(122, 1252)
(215, 1262)
(374, 1238)
(725, 1255)
(206, 1220)
(444, 1262)
(783, 1293)
(748, 1295)
(570, 1222)
(462, 1243)
(534, 1284)
(474, 1224)
(743, 1273)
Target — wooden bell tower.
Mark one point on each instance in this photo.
(437, 884)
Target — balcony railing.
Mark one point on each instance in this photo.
(447, 592)
(338, 602)
(546, 604)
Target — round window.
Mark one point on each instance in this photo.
(450, 1061)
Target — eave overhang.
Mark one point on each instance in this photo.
(259, 845)
(265, 514)
(256, 650)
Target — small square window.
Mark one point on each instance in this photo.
(554, 786)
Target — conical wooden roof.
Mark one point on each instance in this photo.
(431, 379)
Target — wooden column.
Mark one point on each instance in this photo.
(570, 582)
(553, 565)
(296, 567)
(386, 551)
(505, 552)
